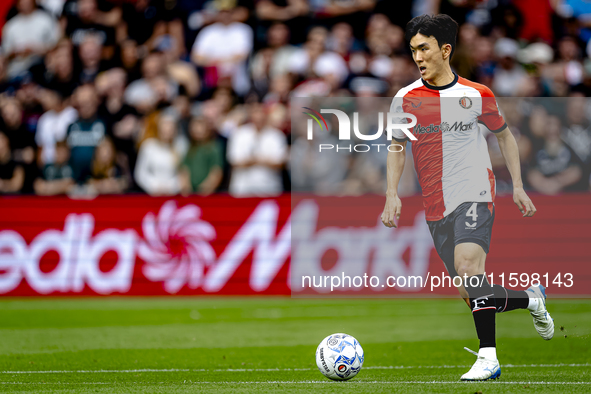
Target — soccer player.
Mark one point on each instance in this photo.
(458, 185)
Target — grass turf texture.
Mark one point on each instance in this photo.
(243, 345)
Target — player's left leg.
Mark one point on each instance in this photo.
(472, 232)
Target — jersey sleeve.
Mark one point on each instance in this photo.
(396, 107)
(491, 117)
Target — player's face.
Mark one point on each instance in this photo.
(427, 55)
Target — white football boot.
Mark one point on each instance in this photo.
(543, 322)
(483, 369)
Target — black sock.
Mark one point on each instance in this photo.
(483, 307)
(508, 300)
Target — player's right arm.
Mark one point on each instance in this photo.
(395, 166)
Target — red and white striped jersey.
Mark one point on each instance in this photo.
(450, 153)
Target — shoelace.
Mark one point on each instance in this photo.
(471, 351)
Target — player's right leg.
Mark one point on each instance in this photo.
(533, 299)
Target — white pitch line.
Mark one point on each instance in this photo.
(311, 382)
(287, 369)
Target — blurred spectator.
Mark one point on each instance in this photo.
(342, 41)
(20, 138)
(314, 171)
(569, 61)
(27, 95)
(153, 88)
(106, 176)
(541, 80)
(279, 90)
(577, 134)
(484, 65)
(4, 85)
(89, 52)
(579, 9)
(303, 60)
(506, 21)
(121, 120)
(53, 124)
(555, 167)
(129, 59)
(147, 20)
(293, 13)
(22, 141)
(156, 170)
(85, 134)
(12, 175)
(56, 175)
(272, 61)
(84, 18)
(202, 167)
(257, 153)
(57, 70)
(353, 12)
(535, 127)
(181, 106)
(513, 111)
(28, 36)
(463, 61)
(223, 113)
(364, 177)
(508, 75)
(179, 71)
(324, 71)
(222, 49)
(380, 63)
(536, 19)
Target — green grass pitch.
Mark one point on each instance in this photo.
(265, 345)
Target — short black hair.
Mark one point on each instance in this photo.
(442, 27)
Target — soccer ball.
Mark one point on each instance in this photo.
(339, 357)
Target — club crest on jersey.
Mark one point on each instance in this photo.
(466, 102)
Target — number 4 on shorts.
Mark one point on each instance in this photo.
(472, 213)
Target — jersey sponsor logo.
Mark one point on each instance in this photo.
(432, 128)
(457, 126)
(443, 127)
(466, 102)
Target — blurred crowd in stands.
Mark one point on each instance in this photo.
(174, 97)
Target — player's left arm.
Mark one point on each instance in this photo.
(510, 153)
